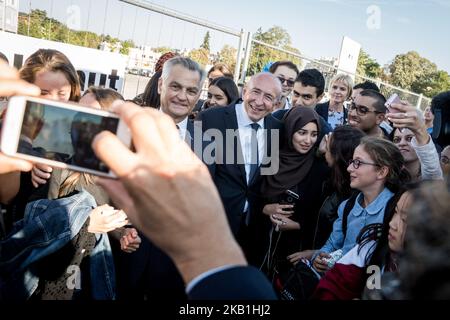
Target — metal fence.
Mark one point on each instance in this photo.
(154, 26)
(329, 70)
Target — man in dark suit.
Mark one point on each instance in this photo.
(177, 206)
(212, 253)
(248, 132)
(149, 271)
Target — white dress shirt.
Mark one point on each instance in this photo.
(182, 126)
(245, 136)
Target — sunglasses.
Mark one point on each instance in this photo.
(361, 110)
(357, 163)
(290, 83)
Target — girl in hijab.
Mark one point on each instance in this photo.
(291, 198)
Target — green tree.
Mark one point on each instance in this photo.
(441, 83)
(227, 55)
(163, 50)
(367, 66)
(201, 56)
(126, 45)
(38, 25)
(205, 44)
(412, 72)
(262, 54)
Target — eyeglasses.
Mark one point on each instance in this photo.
(361, 110)
(290, 83)
(445, 160)
(357, 163)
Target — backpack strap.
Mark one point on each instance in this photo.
(348, 207)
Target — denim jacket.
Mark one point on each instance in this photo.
(357, 219)
(47, 226)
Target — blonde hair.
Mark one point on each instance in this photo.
(70, 183)
(346, 79)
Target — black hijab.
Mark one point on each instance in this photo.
(294, 166)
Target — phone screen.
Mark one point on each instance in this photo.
(63, 135)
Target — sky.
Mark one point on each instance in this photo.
(384, 28)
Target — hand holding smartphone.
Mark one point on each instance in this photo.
(393, 99)
(58, 134)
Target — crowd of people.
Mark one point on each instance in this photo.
(231, 197)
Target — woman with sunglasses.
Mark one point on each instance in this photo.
(377, 171)
(333, 111)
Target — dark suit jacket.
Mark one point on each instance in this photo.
(322, 110)
(230, 178)
(236, 283)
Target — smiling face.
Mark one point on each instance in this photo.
(53, 85)
(304, 139)
(397, 225)
(286, 76)
(367, 174)
(216, 97)
(402, 139)
(363, 115)
(259, 96)
(338, 92)
(179, 92)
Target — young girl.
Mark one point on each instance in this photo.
(222, 91)
(338, 149)
(378, 245)
(377, 171)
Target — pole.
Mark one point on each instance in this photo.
(248, 51)
(237, 68)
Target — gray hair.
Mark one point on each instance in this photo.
(187, 63)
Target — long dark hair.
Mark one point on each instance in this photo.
(151, 97)
(228, 87)
(378, 232)
(343, 143)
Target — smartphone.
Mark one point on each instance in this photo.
(392, 99)
(290, 197)
(58, 134)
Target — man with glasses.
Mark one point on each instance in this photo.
(286, 72)
(367, 112)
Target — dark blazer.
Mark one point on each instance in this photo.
(236, 283)
(322, 110)
(230, 178)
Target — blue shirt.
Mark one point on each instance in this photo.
(357, 219)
